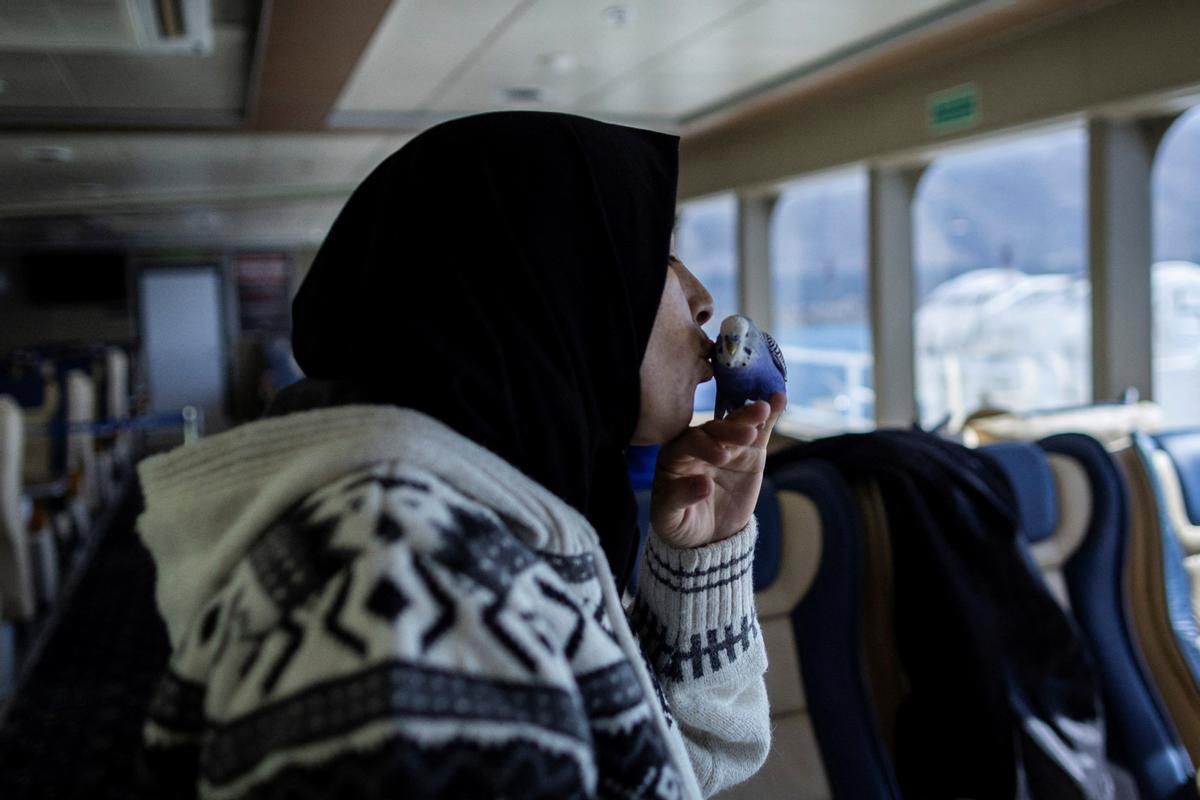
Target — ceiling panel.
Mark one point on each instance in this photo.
(765, 44)
(418, 45)
(90, 162)
(284, 225)
(24, 17)
(215, 82)
(32, 80)
(525, 54)
(154, 170)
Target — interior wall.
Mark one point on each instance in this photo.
(1122, 59)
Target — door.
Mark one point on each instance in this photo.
(181, 333)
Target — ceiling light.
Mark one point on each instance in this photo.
(561, 62)
(619, 16)
(521, 94)
(47, 154)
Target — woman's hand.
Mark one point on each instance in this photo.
(707, 479)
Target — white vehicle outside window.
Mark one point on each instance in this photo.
(1003, 318)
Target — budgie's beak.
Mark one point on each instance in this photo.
(730, 347)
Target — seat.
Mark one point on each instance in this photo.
(17, 596)
(1108, 422)
(1166, 548)
(807, 591)
(1072, 506)
(31, 382)
(116, 406)
(81, 441)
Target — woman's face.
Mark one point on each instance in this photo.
(676, 358)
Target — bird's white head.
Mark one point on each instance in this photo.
(735, 343)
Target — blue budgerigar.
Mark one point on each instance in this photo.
(747, 363)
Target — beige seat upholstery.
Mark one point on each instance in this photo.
(1108, 423)
(39, 447)
(793, 768)
(16, 578)
(117, 370)
(81, 444)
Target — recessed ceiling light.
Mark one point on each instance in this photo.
(47, 154)
(521, 94)
(619, 16)
(561, 62)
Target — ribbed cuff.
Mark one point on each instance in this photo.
(694, 610)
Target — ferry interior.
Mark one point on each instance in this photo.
(971, 226)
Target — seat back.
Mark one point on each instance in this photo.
(807, 579)
(81, 442)
(31, 381)
(1054, 505)
(1107, 422)
(1072, 505)
(1163, 544)
(16, 579)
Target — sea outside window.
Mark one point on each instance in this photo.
(706, 242)
(1003, 296)
(1176, 275)
(819, 287)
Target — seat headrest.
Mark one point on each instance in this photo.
(768, 546)
(1184, 449)
(1032, 481)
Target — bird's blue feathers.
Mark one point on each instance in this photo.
(754, 370)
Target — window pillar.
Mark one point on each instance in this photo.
(892, 290)
(754, 258)
(1120, 252)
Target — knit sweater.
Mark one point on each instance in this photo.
(362, 602)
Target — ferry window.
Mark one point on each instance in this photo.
(1176, 275)
(706, 242)
(819, 286)
(1003, 311)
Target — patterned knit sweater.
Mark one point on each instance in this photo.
(363, 603)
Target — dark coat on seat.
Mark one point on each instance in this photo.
(1002, 699)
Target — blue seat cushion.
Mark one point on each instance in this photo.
(1028, 472)
(768, 547)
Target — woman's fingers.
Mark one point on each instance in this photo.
(718, 442)
(676, 494)
(778, 403)
(699, 445)
(733, 432)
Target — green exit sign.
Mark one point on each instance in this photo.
(953, 109)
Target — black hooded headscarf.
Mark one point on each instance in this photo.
(502, 273)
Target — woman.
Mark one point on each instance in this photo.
(407, 582)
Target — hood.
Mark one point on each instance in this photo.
(207, 502)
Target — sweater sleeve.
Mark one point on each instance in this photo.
(694, 615)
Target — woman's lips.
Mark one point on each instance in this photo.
(707, 373)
